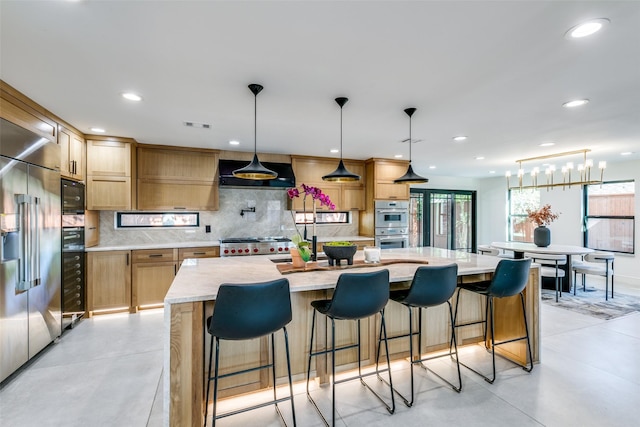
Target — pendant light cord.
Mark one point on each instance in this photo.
(341, 132)
(255, 124)
(409, 139)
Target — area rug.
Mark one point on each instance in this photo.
(592, 303)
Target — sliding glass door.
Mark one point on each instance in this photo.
(443, 219)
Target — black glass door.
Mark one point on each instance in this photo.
(443, 219)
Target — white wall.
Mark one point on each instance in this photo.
(492, 219)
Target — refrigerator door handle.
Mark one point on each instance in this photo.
(29, 255)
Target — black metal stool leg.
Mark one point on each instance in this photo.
(286, 347)
(526, 328)
(313, 324)
(493, 343)
(215, 383)
(206, 406)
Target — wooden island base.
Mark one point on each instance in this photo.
(187, 345)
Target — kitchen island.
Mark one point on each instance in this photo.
(191, 298)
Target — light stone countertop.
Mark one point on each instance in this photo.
(199, 279)
(168, 245)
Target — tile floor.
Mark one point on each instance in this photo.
(107, 372)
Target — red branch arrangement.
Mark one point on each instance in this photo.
(542, 216)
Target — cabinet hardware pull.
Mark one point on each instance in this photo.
(179, 207)
(155, 255)
(199, 253)
(127, 255)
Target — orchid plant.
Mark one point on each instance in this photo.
(316, 194)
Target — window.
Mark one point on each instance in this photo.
(520, 228)
(157, 219)
(610, 216)
(322, 218)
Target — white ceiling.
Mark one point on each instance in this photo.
(496, 71)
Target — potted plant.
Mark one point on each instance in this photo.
(542, 217)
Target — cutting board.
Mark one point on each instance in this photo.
(324, 265)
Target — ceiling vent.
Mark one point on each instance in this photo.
(197, 125)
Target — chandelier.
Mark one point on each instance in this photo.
(549, 176)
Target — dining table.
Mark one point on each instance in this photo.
(519, 248)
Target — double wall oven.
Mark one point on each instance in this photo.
(391, 224)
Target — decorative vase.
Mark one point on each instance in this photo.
(542, 236)
(296, 259)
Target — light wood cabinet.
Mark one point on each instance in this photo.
(110, 163)
(177, 178)
(91, 228)
(15, 108)
(153, 271)
(203, 252)
(137, 279)
(346, 196)
(72, 154)
(108, 281)
(380, 176)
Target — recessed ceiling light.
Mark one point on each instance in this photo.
(131, 96)
(547, 144)
(626, 153)
(398, 156)
(432, 167)
(492, 172)
(479, 157)
(575, 103)
(459, 138)
(98, 130)
(586, 28)
(234, 142)
(334, 150)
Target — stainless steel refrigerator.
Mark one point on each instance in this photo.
(30, 296)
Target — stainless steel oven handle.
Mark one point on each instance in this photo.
(393, 211)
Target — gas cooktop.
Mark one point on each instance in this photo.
(254, 246)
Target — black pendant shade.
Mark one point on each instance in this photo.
(410, 177)
(341, 174)
(255, 170)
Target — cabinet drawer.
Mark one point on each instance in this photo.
(204, 252)
(153, 255)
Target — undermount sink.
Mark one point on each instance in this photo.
(288, 259)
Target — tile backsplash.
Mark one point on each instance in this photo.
(271, 218)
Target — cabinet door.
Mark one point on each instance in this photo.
(76, 156)
(203, 252)
(394, 191)
(177, 165)
(151, 281)
(64, 141)
(108, 158)
(108, 280)
(108, 193)
(158, 195)
(390, 170)
(91, 228)
(353, 198)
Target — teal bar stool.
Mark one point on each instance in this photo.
(357, 296)
(509, 279)
(430, 287)
(244, 312)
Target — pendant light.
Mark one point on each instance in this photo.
(255, 170)
(341, 174)
(410, 177)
